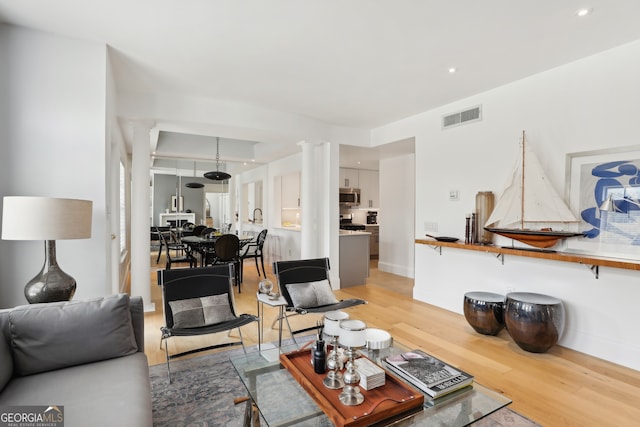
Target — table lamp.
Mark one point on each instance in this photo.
(332, 320)
(352, 337)
(48, 219)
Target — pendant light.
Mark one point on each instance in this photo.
(217, 175)
(194, 184)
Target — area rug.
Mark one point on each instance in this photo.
(203, 390)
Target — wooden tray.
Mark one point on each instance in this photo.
(380, 403)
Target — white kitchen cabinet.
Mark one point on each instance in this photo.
(369, 188)
(291, 191)
(349, 178)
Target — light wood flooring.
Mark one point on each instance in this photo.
(559, 388)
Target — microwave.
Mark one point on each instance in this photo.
(349, 196)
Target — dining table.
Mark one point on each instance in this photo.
(202, 244)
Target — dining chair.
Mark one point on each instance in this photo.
(254, 250)
(156, 241)
(226, 250)
(306, 286)
(186, 257)
(206, 230)
(197, 230)
(199, 301)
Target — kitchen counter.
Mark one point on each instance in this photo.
(354, 258)
(353, 233)
(289, 227)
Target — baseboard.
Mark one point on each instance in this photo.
(399, 270)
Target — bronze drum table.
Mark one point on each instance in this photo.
(484, 312)
(534, 321)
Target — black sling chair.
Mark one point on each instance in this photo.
(194, 304)
(299, 273)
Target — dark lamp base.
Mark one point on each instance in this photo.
(51, 284)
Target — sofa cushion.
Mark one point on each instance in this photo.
(52, 336)
(197, 312)
(6, 362)
(311, 294)
(114, 392)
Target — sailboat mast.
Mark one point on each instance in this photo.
(522, 198)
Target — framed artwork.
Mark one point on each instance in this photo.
(603, 190)
(177, 204)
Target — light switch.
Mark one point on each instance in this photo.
(453, 194)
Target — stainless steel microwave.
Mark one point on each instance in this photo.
(349, 196)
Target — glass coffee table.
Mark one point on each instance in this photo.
(282, 401)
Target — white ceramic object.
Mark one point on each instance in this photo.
(377, 339)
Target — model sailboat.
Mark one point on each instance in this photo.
(530, 205)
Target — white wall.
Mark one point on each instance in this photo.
(52, 140)
(397, 207)
(586, 105)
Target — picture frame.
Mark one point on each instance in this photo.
(177, 204)
(593, 177)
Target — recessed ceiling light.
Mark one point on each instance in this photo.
(452, 70)
(584, 11)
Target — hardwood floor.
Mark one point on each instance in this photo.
(559, 388)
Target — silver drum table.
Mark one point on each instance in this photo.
(484, 311)
(534, 321)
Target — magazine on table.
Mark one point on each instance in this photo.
(429, 374)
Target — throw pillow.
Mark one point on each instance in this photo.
(52, 336)
(198, 312)
(311, 294)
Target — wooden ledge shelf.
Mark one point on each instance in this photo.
(593, 262)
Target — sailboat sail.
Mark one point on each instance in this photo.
(528, 202)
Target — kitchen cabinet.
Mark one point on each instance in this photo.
(291, 191)
(369, 188)
(374, 240)
(349, 178)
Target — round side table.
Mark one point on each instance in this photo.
(534, 321)
(484, 312)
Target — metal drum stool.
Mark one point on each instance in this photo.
(534, 321)
(484, 312)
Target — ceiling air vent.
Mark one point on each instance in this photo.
(469, 115)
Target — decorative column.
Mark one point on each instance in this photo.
(140, 224)
(314, 183)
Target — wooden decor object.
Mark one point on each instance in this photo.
(394, 398)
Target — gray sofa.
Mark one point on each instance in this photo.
(86, 357)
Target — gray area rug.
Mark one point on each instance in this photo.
(203, 389)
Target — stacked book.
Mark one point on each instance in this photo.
(371, 375)
(427, 373)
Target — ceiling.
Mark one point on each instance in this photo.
(356, 63)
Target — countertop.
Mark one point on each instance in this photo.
(354, 233)
(289, 227)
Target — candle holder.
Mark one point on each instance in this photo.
(352, 337)
(332, 320)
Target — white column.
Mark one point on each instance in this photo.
(140, 222)
(308, 202)
(332, 207)
(317, 202)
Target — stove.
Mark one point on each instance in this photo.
(352, 226)
(347, 224)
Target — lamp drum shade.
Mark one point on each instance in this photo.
(45, 218)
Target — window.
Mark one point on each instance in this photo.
(123, 215)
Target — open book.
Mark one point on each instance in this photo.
(429, 374)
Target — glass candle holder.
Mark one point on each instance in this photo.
(352, 337)
(332, 320)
